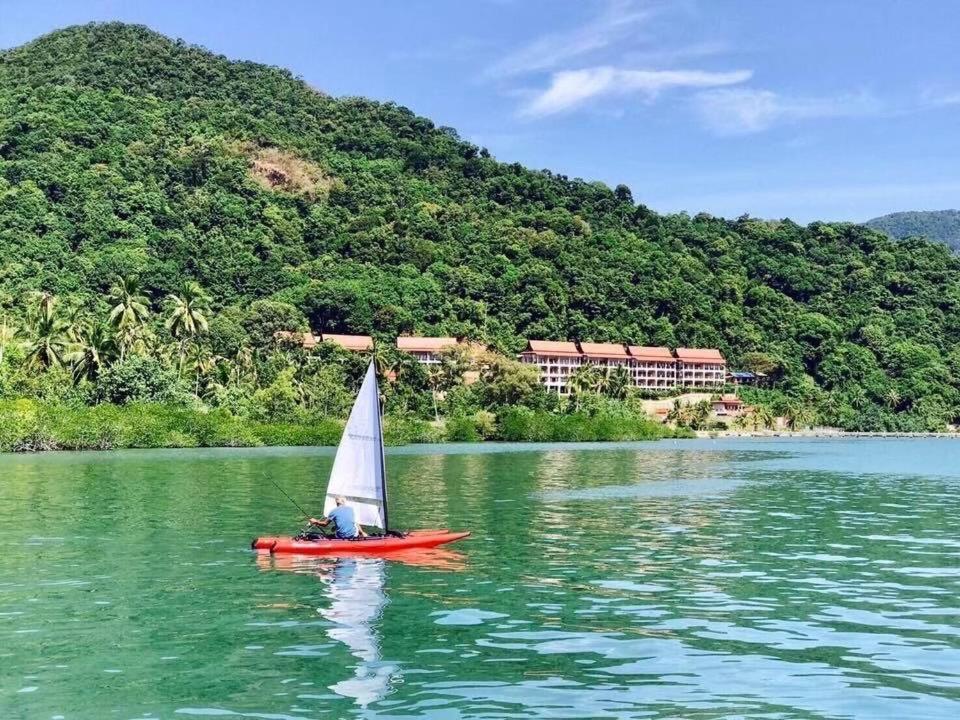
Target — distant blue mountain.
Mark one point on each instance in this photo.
(940, 225)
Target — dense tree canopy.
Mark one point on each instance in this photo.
(124, 154)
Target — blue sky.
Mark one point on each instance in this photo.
(832, 109)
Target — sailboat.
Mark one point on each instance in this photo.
(359, 475)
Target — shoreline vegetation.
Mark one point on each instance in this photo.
(31, 426)
(131, 377)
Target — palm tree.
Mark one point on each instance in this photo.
(202, 363)
(598, 376)
(435, 375)
(132, 338)
(93, 347)
(829, 407)
(8, 335)
(893, 398)
(244, 367)
(798, 416)
(49, 343)
(699, 414)
(858, 397)
(129, 312)
(220, 377)
(404, 364)
(762, 417)
(187, 319)
(617, 382)
(582, 381)
(454, 362)
(678, 413)
(384, 359)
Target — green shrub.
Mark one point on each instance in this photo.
(525, 425)
(321, 432)
(461, 429)
(486, 423)
(404, 430)
(277, 402)
(138, 379)
(23, 427)
(98, 428)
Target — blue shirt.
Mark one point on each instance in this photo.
(344, 521)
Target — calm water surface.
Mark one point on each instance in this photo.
(682, 579)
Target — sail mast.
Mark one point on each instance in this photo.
(383, 463)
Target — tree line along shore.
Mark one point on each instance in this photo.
(136, 378)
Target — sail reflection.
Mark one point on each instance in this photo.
(355, 590)
(356, 601)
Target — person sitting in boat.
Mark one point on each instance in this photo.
(344, 521)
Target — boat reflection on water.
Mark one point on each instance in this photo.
(355, 590)
(435, 558)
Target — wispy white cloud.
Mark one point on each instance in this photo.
(618, 21)
(740, 111)
(940, 97)
(572, 88)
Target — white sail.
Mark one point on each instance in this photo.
(358, 472)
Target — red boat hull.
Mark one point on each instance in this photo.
(368, 546)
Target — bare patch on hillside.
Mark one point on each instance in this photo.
(276, 169)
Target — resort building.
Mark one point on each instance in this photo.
(649, 368)
(556, 360)
(309, 341)
(425, 349)
(605, 355)
(354, 343)
(699, 367)
(652, 368)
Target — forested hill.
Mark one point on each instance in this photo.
(125, 153)
(940, 225)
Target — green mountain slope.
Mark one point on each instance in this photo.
(123, 152)
(940, 225)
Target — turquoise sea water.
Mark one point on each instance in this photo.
(680, 579)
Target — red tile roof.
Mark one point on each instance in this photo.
(655, 354)
(710, 355)
(552, 347)
(424, 344)
(603, 350)
(357, 343)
